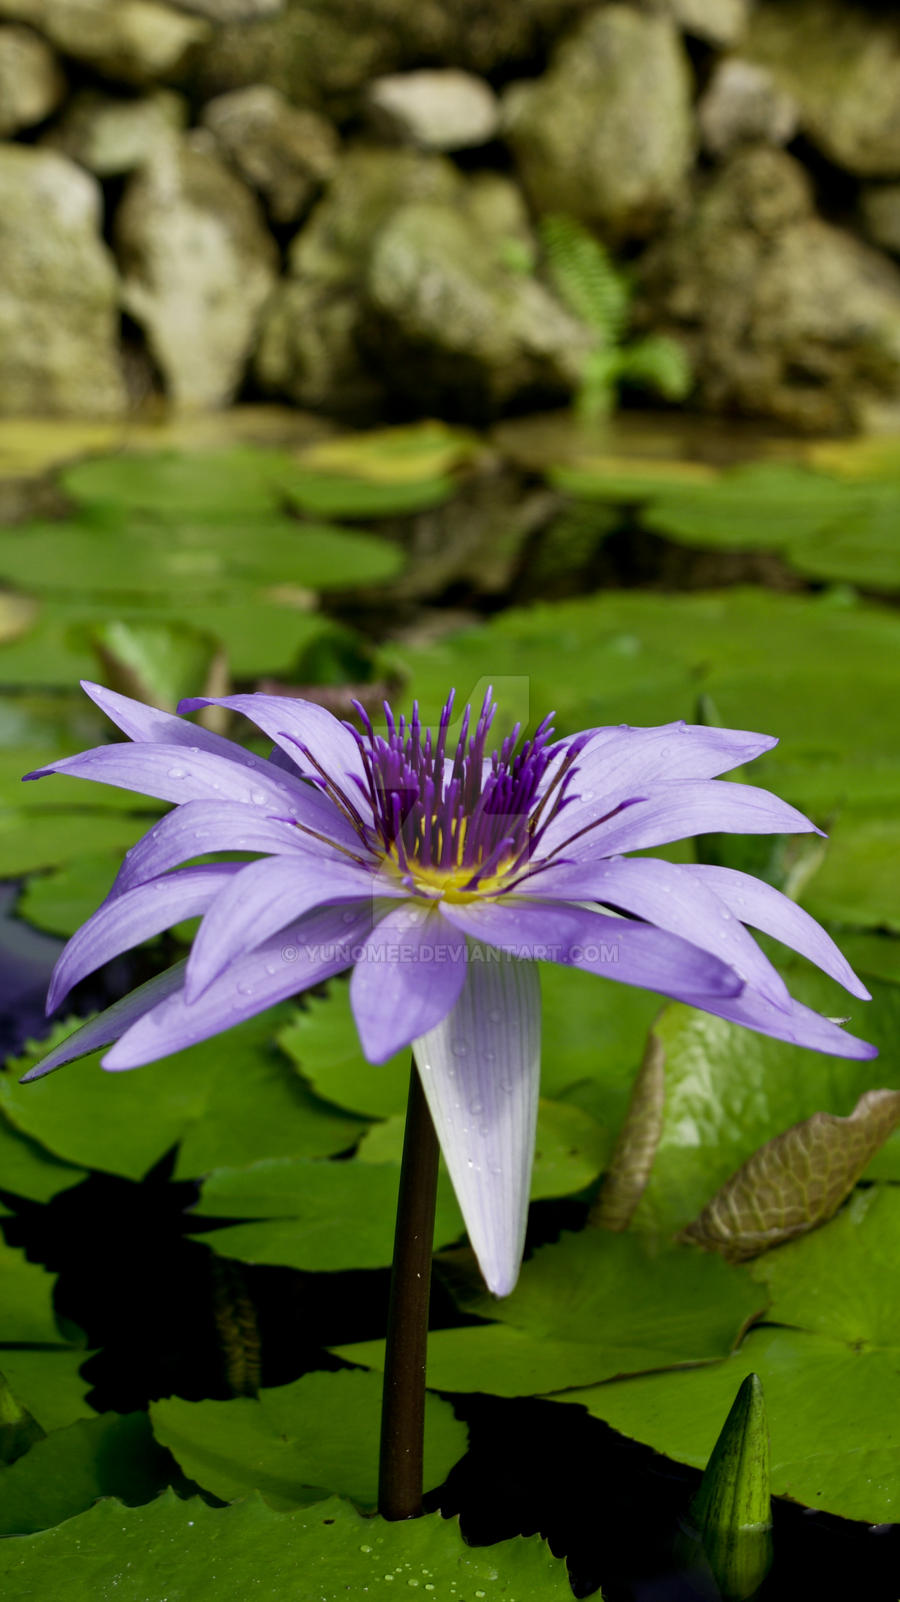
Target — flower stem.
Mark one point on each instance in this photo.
(403, 1404)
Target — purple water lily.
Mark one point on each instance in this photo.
(441, 877)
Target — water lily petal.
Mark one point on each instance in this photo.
(176, 773)
(677, 811)
(617, 948)
(292, 723)
(265, 897)
(672, 897)
(760, 904)
(322, 945)
(800, 1025)
(109, 1025)
(406, 980)
(199, 827)
(126, 920)
(480, 1069)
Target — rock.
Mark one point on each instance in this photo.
(309, 348)
(111, 134)
(841, 62)
(230, 10)
(573, 131)
(400, 283)
(438, 110)
(453, 328)
(717, 22)
(323, 53)
(198, 265)
(742, 104)
(284, 153)
(879, 206)
(31, 82)
(133, 41)
(783, 315)
(58, 291)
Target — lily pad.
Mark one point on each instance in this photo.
(336, 495)
(225, 486)
(229, 1099)
(64, 1474)
(27, 1169)
(861, 549)
(26, 1316)
(410, 453)
(766, 505)
(63, 899)
(42, 837)
(859, 881)
(317, 1216)
(594, 1303)
(47, 1380)
(728, 1091)
(830, 1370)
(631, 479)
(320, 1431)
(321, 1554)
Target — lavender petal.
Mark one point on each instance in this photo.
(321, 945)
(126, 920)
(616, 948)
(765, 908)
(406, 980)
(480, 1069)
(265, 897)
(800, 1026)
(292, 723)
(677, 811)
(672, 897)
(112, 1023)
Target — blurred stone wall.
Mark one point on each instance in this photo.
(334, 202)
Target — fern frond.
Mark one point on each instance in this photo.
(657, 363)
(584, 277)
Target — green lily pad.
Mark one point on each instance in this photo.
(631, 479)
(321, 1431)
(318, 1216)
(320, 1554)
(831, 1376)
(766, 505)
(65, 1473)
(409, 453)
(875, 954)
(859, 880)
(27, 1169)
(322, 1039)
(569, 1150)
(26, 1316)
(225, 486)
(594, 1303)
(43, 837)
(63, 899)
(336, 495)
(47, 1380)
(229, 1099)
(729, 1090)
(861, 549)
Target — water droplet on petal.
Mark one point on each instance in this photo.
(476, 1106)
(494, 1016)
(459, 1048)
(245, 989)
(176, 773)
(258, 797)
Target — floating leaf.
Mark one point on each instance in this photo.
(796, 1181)
(42, 837)
(320, 1554)
(761, 506)
(65, 1473)
(317, 1216)
(18, 1428)
(160, 663)
(26, 1312)
(729, 1091)
(322, 1039)
(831, 1376)
(594, 1303)
(408, 454)
(733, 1508)
(331, 495)
(63, 899)
(862, 549)
(630, 479)
(859, 880)
(632, 1158)
(47, 1380)
(229, 1099)
(27, 1169)
(320, 1431)
(224, 486)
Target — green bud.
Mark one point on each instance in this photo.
(732, 1509)
(18, 1430)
